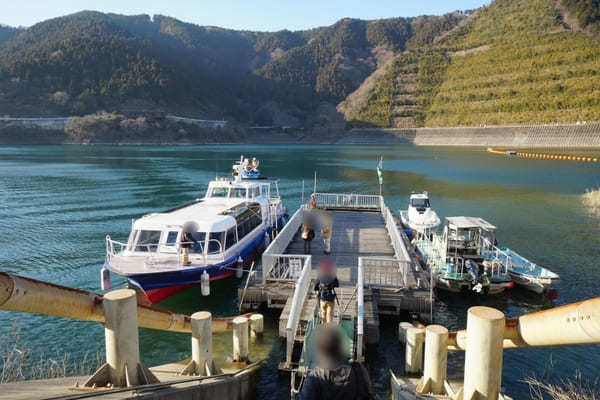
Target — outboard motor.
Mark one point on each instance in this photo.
(475, 277)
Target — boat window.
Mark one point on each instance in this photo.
(238, 193)
(249, 220)
(255, 191)
(148, 241)
(231, 238)
(215, 243)
(198, 247)
(264, 191)
(219, 192)
(131, 239)
(420, 203)
(171, 238)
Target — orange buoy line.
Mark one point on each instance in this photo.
(545, 156)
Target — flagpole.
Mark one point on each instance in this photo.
(380, 173)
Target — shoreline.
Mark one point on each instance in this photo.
(563, 136)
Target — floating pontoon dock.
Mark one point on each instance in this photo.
(366, 242)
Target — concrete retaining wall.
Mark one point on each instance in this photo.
(521, 136)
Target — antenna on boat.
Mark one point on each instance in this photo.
(302, 202)
(315, 187)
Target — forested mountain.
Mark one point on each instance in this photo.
(513, 61)
(90, 61)
(6, 32)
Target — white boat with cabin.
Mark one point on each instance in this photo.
(208, 238)
(419, 216)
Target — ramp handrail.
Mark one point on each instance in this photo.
(278, 246)
(360, 310)
(397, 243)
(386, 273)
(347, 200)
(300, 293)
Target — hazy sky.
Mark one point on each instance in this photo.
(262, 15)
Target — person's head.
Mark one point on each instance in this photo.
(329, 344)
(326, 267)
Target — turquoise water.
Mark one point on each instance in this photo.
(58, 203)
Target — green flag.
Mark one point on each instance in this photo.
(380, 171)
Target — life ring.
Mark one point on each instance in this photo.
(313, 202)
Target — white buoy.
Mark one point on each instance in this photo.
(205, 284)
(239, 269)
(104, 279)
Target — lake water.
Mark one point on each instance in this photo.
(58, 203)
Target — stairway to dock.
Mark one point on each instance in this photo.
(378, 272)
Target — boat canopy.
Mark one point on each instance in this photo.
(211, 215)
(469, 223)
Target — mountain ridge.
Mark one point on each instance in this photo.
(512, 61)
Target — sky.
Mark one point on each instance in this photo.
(257, 15)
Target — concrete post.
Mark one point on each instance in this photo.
(483, 358)
(240, 339)
(402, 327)
(436, 357)
(414, 350)
(256, 325)
(121, 335)
(202, 341)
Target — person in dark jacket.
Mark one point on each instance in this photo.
(335, 378)
(326, 285)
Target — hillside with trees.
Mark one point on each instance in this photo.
(511, 62)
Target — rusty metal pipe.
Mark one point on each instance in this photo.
(576, 323)
(22, 294)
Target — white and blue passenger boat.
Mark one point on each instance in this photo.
(226, 229)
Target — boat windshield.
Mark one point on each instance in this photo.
(198, 246)
(420, 203)
(148, 241)
(215, 243)
(219, 192)
(238, 193)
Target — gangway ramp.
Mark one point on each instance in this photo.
(365, 237)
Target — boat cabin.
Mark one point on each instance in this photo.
(230, 211)
(468, 236)
(419, 201)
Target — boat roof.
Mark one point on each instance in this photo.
(470, 222)
(242, 181)
(423, 195)
(211, 215)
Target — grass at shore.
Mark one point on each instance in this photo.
(591, 199)
(18, 361)
(571, 389)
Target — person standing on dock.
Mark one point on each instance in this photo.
(335, 378)
(326, 285)
(308, 230)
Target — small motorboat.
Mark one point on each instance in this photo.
(528, 274)
(419, 216)
(459, 257)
